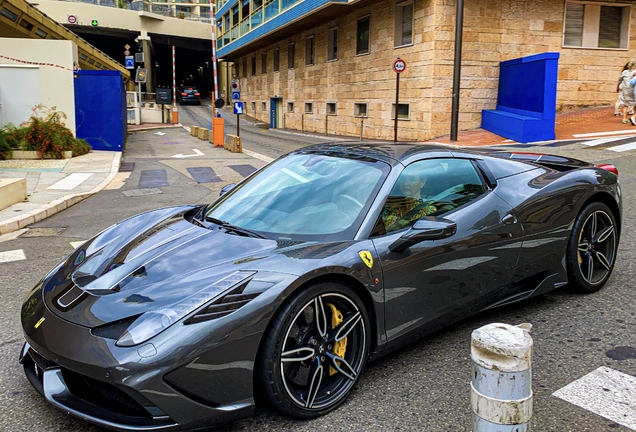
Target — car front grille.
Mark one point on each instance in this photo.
(103, 395)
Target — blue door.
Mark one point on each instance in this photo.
(273, 113)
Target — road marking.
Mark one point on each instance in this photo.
(597, 142)
(197, 153)
(599, 134)
(258, 156)
(186, 128)
(77, 244)
(14, 255)
(71, 182)
(160, 133)
(624, 147)
(606, 392)
(12, 235)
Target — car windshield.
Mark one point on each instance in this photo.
(304, 197)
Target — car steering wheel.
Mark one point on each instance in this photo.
(353, 200)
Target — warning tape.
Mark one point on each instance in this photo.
(34, 63)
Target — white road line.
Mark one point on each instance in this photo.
(185, 127)
(597, 142)
(623, 147)
(71, 182)
(606, 392)
(77, 244)
(600, 134)
(259, 156)
(12, 235)
(14, 255)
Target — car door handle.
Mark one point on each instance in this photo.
(509, 219)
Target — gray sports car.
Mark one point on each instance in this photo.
(284, 287)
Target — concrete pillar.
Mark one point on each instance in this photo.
(501, 387)
(148, 62)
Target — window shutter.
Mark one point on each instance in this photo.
(574, 24)
(407, 24)
(609, 35)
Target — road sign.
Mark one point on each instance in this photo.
(126, 53)
(399, 66)
(127, 47)
(234, 85)
(219, 103)
(236, 95)
(130, 62)
(71, 19)
(94, 23)
(222, 95)
(141, 76)
(238, 108)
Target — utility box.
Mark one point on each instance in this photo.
(163, 96)
(218, 132)
(100, 109)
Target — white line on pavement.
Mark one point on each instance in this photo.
(606, 392)
(623, 147)
(259, 156)
(599, 134)
(597, 142)
(77, 244)
(12, 235)
(14, 255)
(71, 182)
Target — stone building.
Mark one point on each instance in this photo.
(321, 65)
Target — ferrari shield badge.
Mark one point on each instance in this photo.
(366, 258)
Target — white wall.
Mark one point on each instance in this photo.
(19, 93)
(53, 59)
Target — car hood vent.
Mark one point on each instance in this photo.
(225, 305)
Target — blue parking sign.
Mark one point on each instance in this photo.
(130, 62)
(236, 95)
(238, 107)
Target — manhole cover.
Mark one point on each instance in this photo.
(126, 167)
(43, 232)
(142, 192)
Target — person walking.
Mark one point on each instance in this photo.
(619, 86)
(626, 96)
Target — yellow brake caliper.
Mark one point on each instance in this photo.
(577, 246)
(340, 347)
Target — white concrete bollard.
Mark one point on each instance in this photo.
(501, 387)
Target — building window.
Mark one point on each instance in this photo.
(253, 106)
(331, 108)
(290, 107)
(290, 56)
(264, 62)
(226, 19)
(309, 51)
(360, 109)
(309, 108)
(264, 106)
(332, 44)
(596, 25)
(276, 60)
(404, 111)
(253, 66)
(362, 36)
(235, 16)
(404, 23)
(244, 68)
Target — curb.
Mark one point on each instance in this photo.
(168, 126)
(56, 206)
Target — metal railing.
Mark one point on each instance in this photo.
(159, 7)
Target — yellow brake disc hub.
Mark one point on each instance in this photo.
(340, 347)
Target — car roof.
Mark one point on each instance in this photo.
(384, 151)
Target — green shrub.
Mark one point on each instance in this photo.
(5, 148)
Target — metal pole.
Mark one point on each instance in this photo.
(459, 27)
(501, 387)
(175, 115)
(326, 124)
(238, 122)
(397, 100)
(216, 84)
(361, 128)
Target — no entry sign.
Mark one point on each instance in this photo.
(399, 66)
(71, 19)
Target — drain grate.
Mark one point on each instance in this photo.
(127, 167)
(43, 232)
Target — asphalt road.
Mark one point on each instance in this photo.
(423, 387)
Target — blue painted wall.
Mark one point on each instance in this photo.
(100, 109)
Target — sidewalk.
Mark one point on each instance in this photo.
(54, 185)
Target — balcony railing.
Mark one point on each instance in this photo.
(148, 6)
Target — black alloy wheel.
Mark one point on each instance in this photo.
(314, 351)
(592, 248)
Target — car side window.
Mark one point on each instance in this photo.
(430, 187)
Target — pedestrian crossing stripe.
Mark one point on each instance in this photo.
(13, 255)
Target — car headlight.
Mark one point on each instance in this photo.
(154, 322)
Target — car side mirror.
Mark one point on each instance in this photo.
(427, 228)
(225, 189)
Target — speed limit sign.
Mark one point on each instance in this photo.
(399, 66)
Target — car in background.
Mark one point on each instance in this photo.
(189, 94)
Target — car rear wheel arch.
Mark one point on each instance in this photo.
(610, 202)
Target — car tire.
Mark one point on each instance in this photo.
(298, 369)
(592, 247)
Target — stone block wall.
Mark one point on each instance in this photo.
(494, 31)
